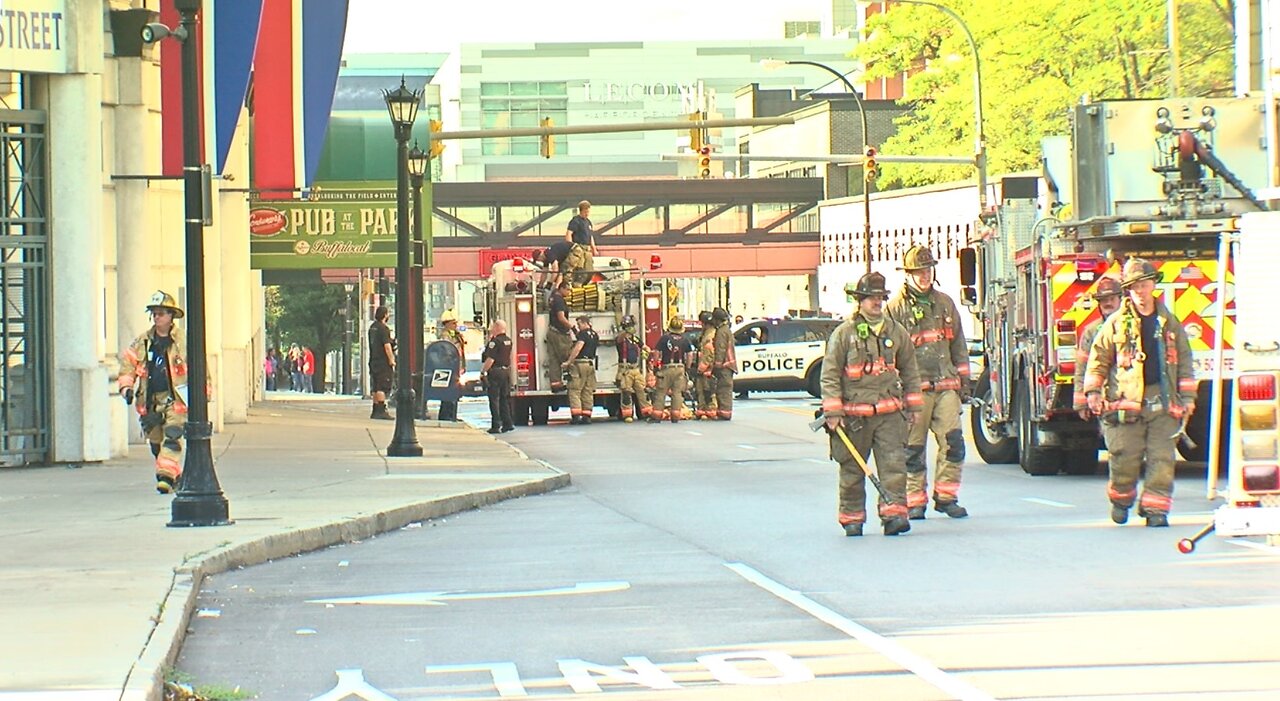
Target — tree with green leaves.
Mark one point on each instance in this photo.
(309, 315)
(1038, 57)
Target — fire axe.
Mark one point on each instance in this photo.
(820, 423)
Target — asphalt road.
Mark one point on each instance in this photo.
(703, 560)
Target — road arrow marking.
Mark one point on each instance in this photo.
(439, 598)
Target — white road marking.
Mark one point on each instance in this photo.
(912, 662)
(1049, 502)
(693, 433)
(1269, 549)
(746, 447)
(438, 598)
(819, 462)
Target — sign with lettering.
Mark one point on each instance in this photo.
(333, 233)
(33, 36)
(489, 256)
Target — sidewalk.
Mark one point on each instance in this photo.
(96, 591)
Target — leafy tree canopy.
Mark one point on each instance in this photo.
(309, 315)
(1038, 57)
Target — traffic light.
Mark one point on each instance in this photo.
(697, 137)
(704, 162)
(437, 146)
(548, 140)
(870, 169)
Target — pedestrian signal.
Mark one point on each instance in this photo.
(704, 162)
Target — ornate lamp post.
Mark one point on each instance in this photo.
(199, 501)
(402, 106)
(417, 168)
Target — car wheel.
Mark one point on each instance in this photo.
(813, 380)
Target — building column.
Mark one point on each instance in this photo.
(242, 343)
(81, 418)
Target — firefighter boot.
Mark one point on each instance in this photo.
(1157, 520)
(853, 529)
(164, 485)
(1119, 514)
(949, 508)
(896, 525)
(916, 513)
(380, 412)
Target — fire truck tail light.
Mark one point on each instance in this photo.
(524, 306)
(1261, 478)
(652, 303)
(1256, 387)
(1258, 447)
(1258, 418)
(1091, 268)
(1068, 368)
(1066, 332)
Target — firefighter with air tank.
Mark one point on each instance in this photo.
(705, 383)
(931, 318)
(723, 364)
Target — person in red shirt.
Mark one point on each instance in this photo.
(308, 369)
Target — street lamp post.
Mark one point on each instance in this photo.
(417, 168)
(199, 501)
(862, 114)
(346, 339)
(980, 139)
(402, 106)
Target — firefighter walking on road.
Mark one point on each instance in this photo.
(153, 378)
(931, 318)
(1139, 380)
(582, 372)
(871, 391)
(630, 379)
(705, 384)
(672, 358)
(724, 364)
(1107, 294)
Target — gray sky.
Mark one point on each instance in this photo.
(404, 26)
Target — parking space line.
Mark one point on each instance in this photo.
(912, 662)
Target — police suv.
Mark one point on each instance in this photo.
(781, 354)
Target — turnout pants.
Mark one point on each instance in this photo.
(582, 388)
(941, 417)
(559, 345)
(882, 436)
(671, 381)
(631, 385)
(705, 387)
(498, 388)
(1146, 441)
(164, 425)
(578, 265)
(723, 381)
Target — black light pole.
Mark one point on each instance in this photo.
(866, 182)
(417, 168)
(346, 340)
(402, 105)
(199, 501)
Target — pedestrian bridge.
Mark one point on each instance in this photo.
(698, 227)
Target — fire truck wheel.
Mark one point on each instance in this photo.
(1036, 460)
(995, 447)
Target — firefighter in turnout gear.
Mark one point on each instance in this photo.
(582, 372)
(630, 379)
(705, 384)
(671, 359)
(1139, 380)
(931, 318)
(1107, 294)
(153, 378)
(449, 320)
(871, 390)
(724, 364)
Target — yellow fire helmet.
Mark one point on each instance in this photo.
(164, 300)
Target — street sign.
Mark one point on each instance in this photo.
(331, 234)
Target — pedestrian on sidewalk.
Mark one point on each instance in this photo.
(495, 374)
(295, 368)
(308, 370)
(269, 369)
(153, 378)
(382, 363)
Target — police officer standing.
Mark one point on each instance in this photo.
(496, 376)
(1139, 380)
(559, 336)
(705, 384)
(931, 318)
(154, 368)
(449, 320)
(672, 358)
(582, 372)
(724, 364)
(871, 391)
(630, 379)
(1107, 294)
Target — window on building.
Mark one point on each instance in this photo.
(799, 29)
(514, 105)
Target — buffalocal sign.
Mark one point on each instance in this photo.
(323, 234)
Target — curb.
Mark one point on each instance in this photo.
(146, 679)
